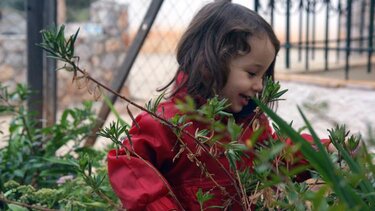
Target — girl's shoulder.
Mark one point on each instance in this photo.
(165, 110)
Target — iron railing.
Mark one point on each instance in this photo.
(344, 41)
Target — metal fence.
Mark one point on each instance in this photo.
(342, 28)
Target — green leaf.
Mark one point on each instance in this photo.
(232, 157)
(14, 207)
(70, 45)
(113, 110)
(234, 129)
(62, 162)
(19, 172)
(203, 197)
(97, 204)
(152, 106)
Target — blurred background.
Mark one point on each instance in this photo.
(326, 60)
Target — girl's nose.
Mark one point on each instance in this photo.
(258, 85)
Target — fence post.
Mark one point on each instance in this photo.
(256, 5)
(362, 25)
(326, 37)
(307, 35)
(35, 59)
(313, 39)
(50, 102)
(371, 35)
(300, 8)
(338, 32)
(348, 35)
(272, 8)
(287, 37)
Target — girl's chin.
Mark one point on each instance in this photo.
(235, 109)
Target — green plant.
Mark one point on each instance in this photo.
(35, 172)
(350, 186)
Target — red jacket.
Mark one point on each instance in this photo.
(143, 184)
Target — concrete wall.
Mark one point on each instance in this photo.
(101, 45)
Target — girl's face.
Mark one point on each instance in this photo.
(246, 73)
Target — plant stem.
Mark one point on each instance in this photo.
(106, 198)
(102, 195)
(28, 133)
(256, 115)
(245, 201)
(199, 163)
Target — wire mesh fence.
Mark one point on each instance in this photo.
(156, 63)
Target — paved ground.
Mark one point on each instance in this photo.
(354, 107)
(336, 100)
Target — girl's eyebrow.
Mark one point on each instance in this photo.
(257, 67)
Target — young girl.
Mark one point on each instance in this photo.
(227, 50)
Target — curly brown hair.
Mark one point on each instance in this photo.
(217, 33)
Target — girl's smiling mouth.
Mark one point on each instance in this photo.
(244, 99)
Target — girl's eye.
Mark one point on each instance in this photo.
(251, 74)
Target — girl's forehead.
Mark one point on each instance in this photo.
(261, 55)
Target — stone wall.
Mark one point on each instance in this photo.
(12, 58)
(101, 46)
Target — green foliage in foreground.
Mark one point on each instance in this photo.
(48, 167)
(35, 173)
(348, 174)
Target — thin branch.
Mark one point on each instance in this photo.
(245, 200)
(28, 132)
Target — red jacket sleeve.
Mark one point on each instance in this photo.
(138, 185)
(137, 182)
